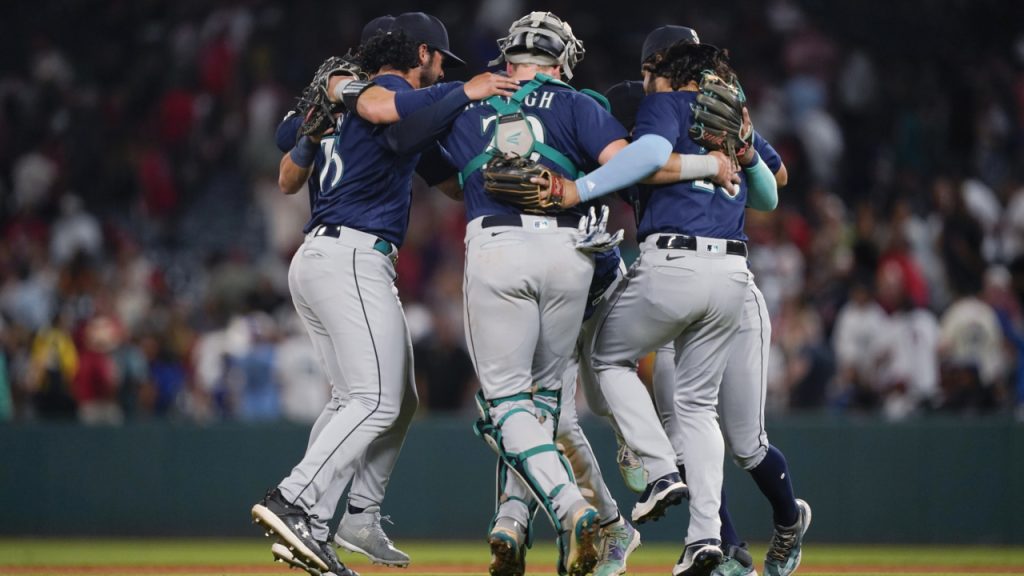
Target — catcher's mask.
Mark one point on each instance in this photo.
(540, 38)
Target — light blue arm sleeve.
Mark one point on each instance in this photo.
(762, 190)
(631, 165)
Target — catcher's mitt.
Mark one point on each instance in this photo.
(718, 117)
(316, 108)
(508, 180)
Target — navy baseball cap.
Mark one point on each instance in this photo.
(624, 99)
(427, 29)
(665, 37)
(378, 24)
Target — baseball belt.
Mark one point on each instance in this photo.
(685, 242)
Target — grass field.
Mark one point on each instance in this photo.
(252, 557)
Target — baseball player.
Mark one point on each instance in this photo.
(688, 285)
(742, 393)
(343, 275)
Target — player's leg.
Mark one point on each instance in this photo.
(360, 529)
(630, 328)
(504, 319)
(342, 286)
(630, 466)
(741, 408)
(719, 284)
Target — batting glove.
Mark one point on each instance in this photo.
(594, 236)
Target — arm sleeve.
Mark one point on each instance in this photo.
(421, 128)
(767, 153)
(434, 166)
(288, 131)
(410, 101)
(632, 164)
(762, 191)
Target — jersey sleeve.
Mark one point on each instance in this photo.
(412, 100)
(288, 131)
(767, 153)
(596, 125)
(658, 115)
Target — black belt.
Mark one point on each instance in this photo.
(684, 242)
(512, 220)
(334, 231)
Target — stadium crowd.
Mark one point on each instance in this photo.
(145, 244)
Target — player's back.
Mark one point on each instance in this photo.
(570, 122)
(697, 207)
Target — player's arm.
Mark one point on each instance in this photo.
(437, 172)
(291, 177)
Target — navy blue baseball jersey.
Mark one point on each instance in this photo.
(695, 207)
(570, 122)
(367, 186)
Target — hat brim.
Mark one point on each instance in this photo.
(451, 60)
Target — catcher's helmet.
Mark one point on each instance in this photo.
(541, 38)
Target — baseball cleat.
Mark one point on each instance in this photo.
(508, 550)
(284, 555)
(363, 534)
(582, 540)
(699, 558)
(784, 552)
(619, 541)
(290, 525)
(631, 467)
(737, 562)
(337, 568)
(666, 491)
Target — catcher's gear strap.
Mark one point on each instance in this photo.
(762, 189)
(512, 106)
(351, 92)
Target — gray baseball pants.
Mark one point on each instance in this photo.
(742, 394)
(693, 298)
(344, 292)
(525, 288)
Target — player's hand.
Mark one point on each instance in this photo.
(727, 178)
(489, 84)
(570, 195)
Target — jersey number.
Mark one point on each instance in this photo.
(330, 174)
(710, 188)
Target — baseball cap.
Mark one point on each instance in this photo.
(624, 99)
(428, 30)
(665, 36)
(378, 24)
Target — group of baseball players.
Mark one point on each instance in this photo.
(547, 299)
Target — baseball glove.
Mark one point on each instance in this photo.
(718, 117)
(509, 180)
(316, 108)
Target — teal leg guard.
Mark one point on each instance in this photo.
(493, 427)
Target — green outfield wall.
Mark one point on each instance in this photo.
(930, 481)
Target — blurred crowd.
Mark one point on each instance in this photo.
(145, 243)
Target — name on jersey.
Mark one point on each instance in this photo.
(532, 100)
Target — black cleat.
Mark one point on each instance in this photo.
(666, 491)
(289, 524)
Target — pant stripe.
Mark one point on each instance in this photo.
(366, 318)
(763, 369)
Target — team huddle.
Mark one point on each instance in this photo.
(548, 303)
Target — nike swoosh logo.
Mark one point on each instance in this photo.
(671, 257)
(493, 234)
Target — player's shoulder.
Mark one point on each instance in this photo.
(392, 82)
